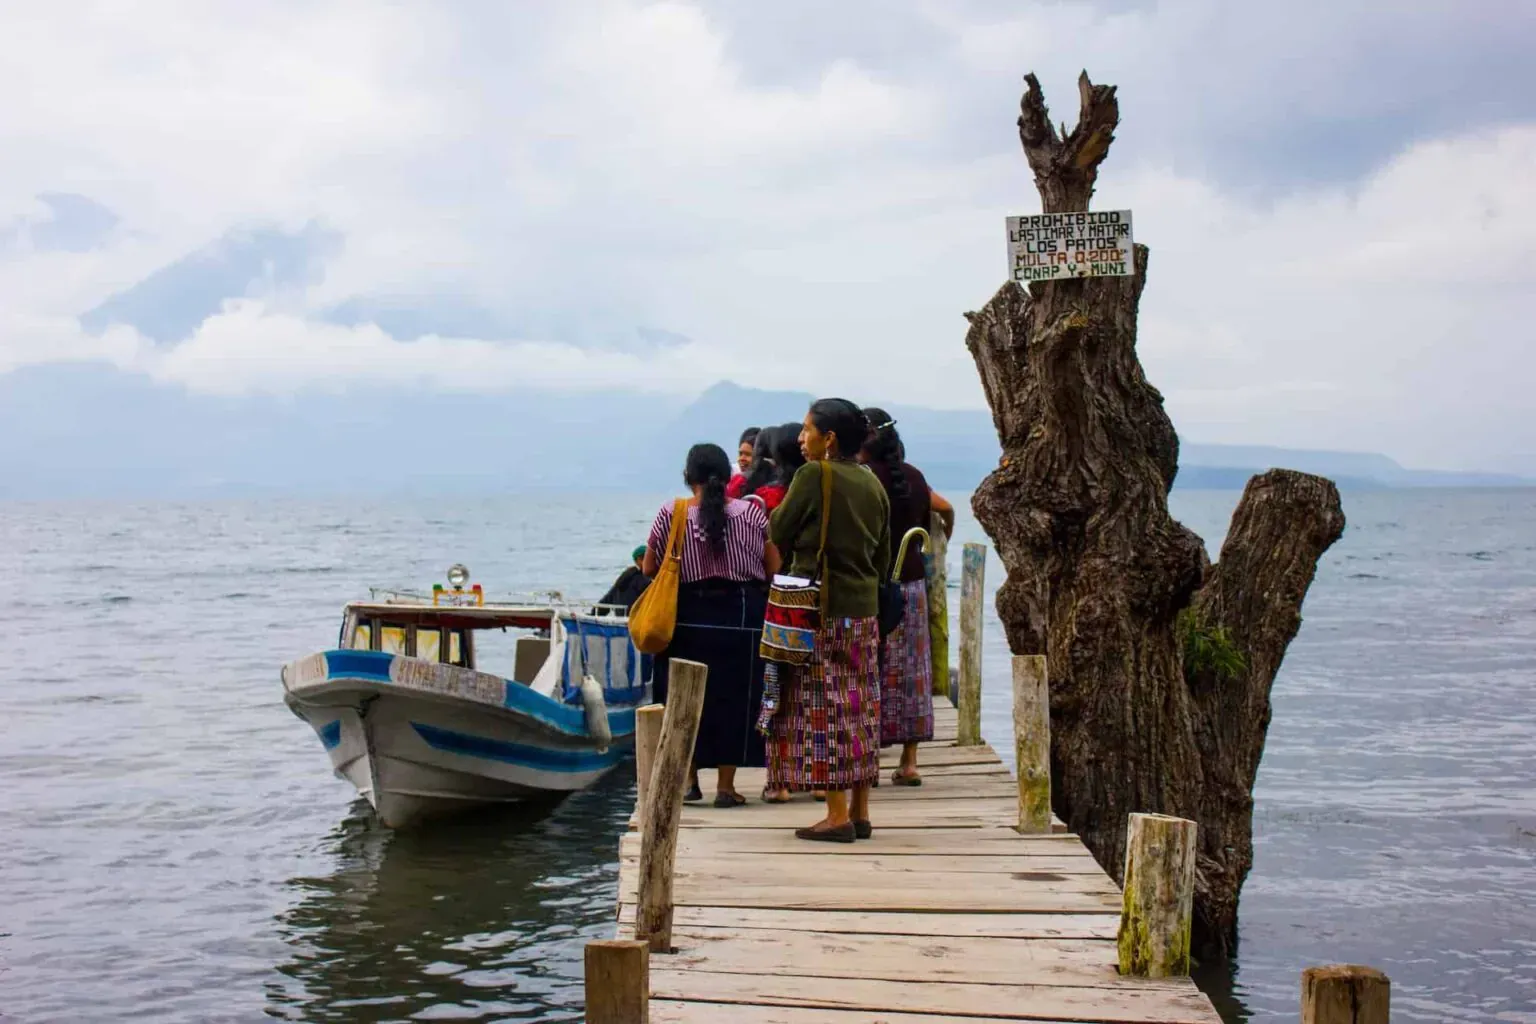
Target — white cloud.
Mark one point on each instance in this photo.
(249, 348)
(1377, 316)
(621, 164)
(28, 339)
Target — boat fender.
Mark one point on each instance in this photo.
(597, 713)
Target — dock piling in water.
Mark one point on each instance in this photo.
(648, 721)
(1159, 896)
(935, 562)
(664, 801)
(618, 982)
(1032, 742)
(1345, 994)
(972, 577)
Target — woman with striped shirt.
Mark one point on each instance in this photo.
(727, 561)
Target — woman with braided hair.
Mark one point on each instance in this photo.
(727, 561)
(906, 688)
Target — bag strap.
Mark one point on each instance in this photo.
(675, 534)
(826, 516)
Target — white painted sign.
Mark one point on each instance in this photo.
(1055, 246)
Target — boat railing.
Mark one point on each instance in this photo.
(553, 599)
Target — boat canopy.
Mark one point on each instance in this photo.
(455, 617)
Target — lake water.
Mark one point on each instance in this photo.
(175, 848)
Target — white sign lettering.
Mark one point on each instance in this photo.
(1055, 246)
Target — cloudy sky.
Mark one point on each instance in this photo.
(288, 197)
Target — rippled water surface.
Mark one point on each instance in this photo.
(175, 848)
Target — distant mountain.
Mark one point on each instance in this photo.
(1360, 467)
(956, 448)
(93, 431)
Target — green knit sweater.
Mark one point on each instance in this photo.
(858, 535)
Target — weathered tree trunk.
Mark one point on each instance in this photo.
(1282, 526)
(1097, 569)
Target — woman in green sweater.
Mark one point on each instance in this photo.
(826, 733)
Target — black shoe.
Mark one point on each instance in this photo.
(840, 834)
(863, 829)
(694, 795)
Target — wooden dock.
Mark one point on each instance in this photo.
(946, 914)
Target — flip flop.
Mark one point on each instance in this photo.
(898, 779)
(819, 797)
(863, 829)
(770, 799)
(729, 799)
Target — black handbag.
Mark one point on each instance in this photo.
(893, 607)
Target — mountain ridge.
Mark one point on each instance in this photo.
(951, 444)
(89, 430)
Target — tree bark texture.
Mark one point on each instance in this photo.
(1098, 570)
(1282, 526)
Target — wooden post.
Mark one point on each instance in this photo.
(1032, 742)
(972, 574)
(664, 802)
(934, 562)
(1344, 994)
(618, 982)
(1159, 896)
(647, 736)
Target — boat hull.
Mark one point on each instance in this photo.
(421, 743)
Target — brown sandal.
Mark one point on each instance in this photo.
(900, 778)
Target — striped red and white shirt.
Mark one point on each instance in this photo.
(746, 534)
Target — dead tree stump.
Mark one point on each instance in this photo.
(1098, 571)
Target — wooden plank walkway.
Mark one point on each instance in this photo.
(946, 914)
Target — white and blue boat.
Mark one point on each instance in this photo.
(409, 716)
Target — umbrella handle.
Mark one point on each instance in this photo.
(901, 553)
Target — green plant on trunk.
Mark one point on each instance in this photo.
(1208, 650)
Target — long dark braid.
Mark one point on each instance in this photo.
(884, 446)
(709, 468)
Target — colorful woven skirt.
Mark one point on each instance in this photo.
(906, 691)
(826, 734)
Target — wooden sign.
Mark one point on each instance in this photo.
(1055, 246)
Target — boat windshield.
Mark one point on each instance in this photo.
(432, 643)
(512, 643)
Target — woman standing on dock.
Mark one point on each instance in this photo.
(827, 734)
(726, 564)
(906, 691)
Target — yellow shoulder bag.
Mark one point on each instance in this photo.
(653, 616)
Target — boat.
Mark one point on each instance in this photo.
(409, 714)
